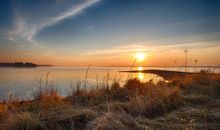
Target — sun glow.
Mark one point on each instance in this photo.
(140, 56)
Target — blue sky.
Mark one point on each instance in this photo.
(79, 32)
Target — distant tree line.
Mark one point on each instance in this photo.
(18, 64)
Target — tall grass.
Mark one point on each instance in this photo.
(183, 103)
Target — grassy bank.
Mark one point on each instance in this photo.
(187, 102)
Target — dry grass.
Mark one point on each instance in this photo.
(67, 117)
(189, 103)
(113, 121)
(23, 120)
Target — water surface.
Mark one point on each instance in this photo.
(24, 82)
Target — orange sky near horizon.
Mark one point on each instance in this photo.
(205, 57)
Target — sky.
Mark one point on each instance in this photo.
(110, 32)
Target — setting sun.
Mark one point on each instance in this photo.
(140, 56)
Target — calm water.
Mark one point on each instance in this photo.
(24, 82)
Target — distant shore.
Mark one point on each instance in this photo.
(166, 74)
(22, 65)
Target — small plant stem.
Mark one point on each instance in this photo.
(131, 68)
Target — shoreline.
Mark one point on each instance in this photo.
(166, 74)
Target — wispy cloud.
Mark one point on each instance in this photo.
(119, 49)
(154, 47)
(90, 27)
(25, 30)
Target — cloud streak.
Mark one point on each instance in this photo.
(119, 49)
(153, 48)
(25, 30)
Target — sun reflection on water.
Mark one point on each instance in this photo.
(140, 68)
(140, 76)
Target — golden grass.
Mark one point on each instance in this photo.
(23, 120)
(189, 103)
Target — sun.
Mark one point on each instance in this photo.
(140, 56)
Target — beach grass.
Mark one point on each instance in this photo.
(188, 102)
